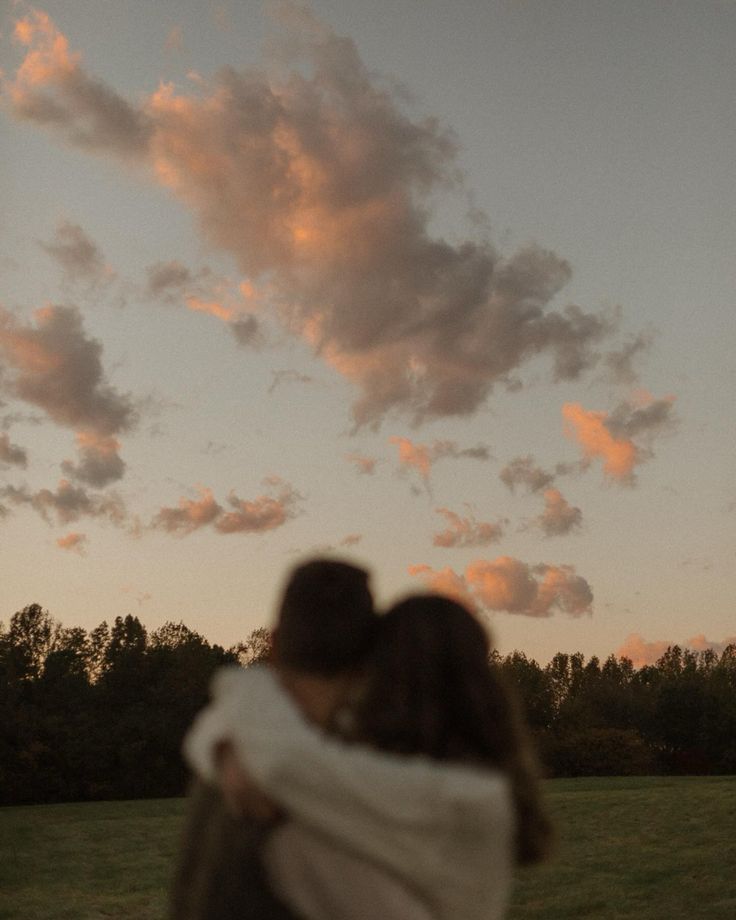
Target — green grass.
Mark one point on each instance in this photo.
(88, 860)
(629, 849)
(650, 848)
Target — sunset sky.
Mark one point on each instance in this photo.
(446, 289)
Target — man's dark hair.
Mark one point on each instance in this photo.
(326, 619)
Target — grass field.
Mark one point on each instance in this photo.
(646, 848)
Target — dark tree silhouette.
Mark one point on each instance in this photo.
(102, 714)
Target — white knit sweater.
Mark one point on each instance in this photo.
(445, 830)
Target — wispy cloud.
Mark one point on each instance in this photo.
(78, 256)
(351, 539)
(421, 457)
(168, 281)
(12, 454)
(204, 292)
(288, 376)
(463, 532)
(363, 464)
(620, 363)
(523, 471)
(642, 416)
(174, 39)
(73, 542)
(68, 503)
(258, 515)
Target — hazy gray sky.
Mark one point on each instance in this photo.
(447, 288)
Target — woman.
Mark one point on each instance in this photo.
(436, 787)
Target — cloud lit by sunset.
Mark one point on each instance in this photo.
(512, 586)
(72, 542)
(321, 183)
(619, 455)
(641, 651)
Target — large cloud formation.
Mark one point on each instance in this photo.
(320, 184)
(258, 515)
(510, 585)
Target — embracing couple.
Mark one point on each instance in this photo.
(377, 769)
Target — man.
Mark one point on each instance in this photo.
(324, 627)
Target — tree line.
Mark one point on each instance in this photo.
(101, 714)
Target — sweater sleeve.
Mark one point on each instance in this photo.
(395, 810)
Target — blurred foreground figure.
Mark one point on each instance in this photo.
(324, 628)
(434, 792)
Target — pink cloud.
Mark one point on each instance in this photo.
(189, 515)
(445, 581)
(204, 292)
(52, 89)
(351, 539)
(421, 457)
(73, 542)
(588, 428)
(641, 652)
(466, 531)
(363, 464)
(261, 514)
(416, 456)
(611, 436)
(266, 512)
(510, 585)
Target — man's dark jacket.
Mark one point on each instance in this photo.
(220, 875)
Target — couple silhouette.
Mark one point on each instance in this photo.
(377, 768)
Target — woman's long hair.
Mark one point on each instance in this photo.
(432, 691)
